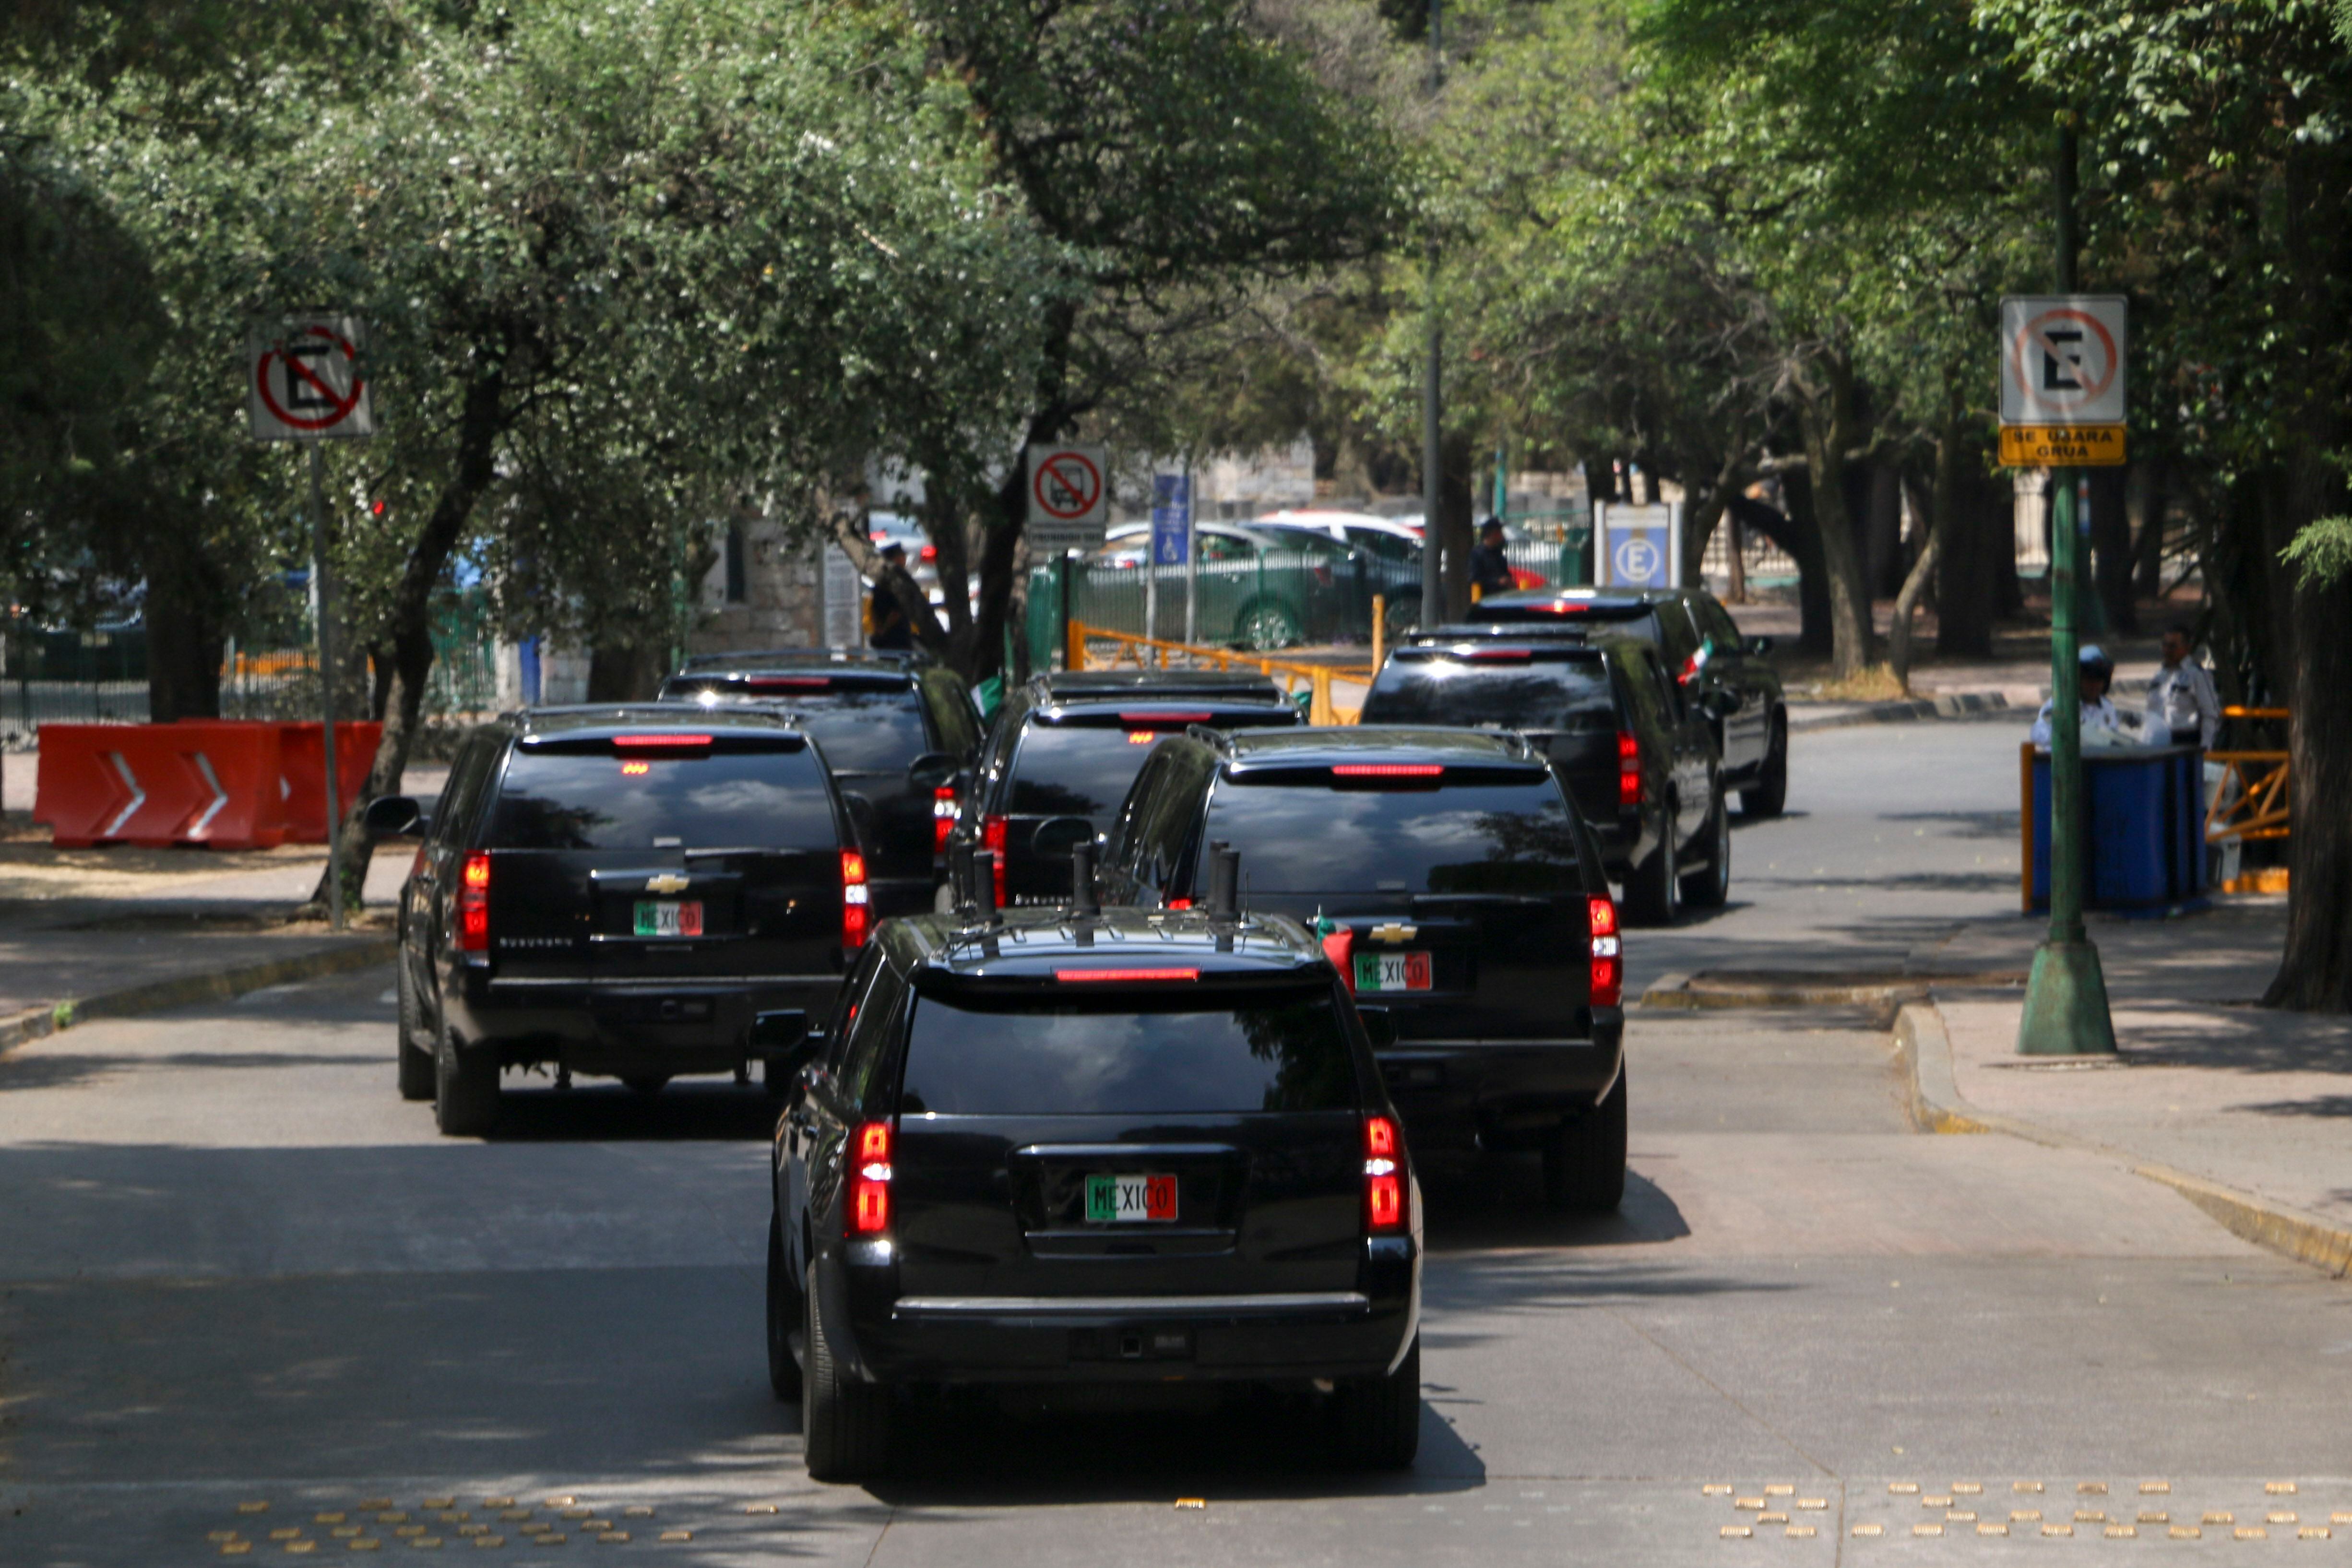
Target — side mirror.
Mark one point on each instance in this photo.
(931, 770)
(1718, 703)
(1059, 835)
(782, 1038)
(1760, 646)
(392, 816)
(1379, 1026)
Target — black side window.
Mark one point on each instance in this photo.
(952, 712)
(461, 797)
(1676, 640)
(1717, 622)
(1166, 829)
(870, 1036)
(1670, 696)
(1120, 851)
(848, 1005)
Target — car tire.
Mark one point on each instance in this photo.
(1377, 1420)
(1652, 885)
(1584, 1163)
(845, 1425)
(1768, 795)
(465, 1090)
(784, 1317)
(1710, 887)
(416, 1063)
(1266, 625)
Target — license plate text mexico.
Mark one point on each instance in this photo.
(1121, 1200)
(1393, 972)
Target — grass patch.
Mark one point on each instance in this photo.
(1872, 683)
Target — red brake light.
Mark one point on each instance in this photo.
(991, 837)
(1383, 1177)
(930, 553)
(1387, 770)
(1080, 976)
(1629, 770)
(1608, 988)
(1180, 904)
(856, 914)
(474, 905)
(1142, 737)
(943, 817)
(869, 1181)
(658, 742)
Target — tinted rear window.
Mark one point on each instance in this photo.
(1542, 694)
(1467, 838)
(730, 800)
(1190, 1054)
(1068, 771)
(862, 726)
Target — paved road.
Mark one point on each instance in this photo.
(235, 1269)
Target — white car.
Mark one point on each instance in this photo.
(1391, 539)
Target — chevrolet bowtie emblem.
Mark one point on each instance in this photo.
(1395, 932)
(668, 882)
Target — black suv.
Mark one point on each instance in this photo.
(1066, 748)
(1454, 884)
(1729, 675)
(900, 735)
(1086, 1147)
(1634, 752)
(637, 891)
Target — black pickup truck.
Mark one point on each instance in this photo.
(635, 891)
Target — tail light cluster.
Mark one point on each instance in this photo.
(991, 838)
(1607, 956)
(868, 1207)
(856, 914)
(474, 904)
(943, 817)
(1629, 769)
(1383, 1177)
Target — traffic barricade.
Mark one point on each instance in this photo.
(2143, 839)
(301, 753)
(208, 782)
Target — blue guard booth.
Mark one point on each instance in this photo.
(2144, 829)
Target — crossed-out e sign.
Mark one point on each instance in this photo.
(304, 381)
(2063, 361)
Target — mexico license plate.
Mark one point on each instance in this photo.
(1393, 972)
(665, 917)
(1123, 1200)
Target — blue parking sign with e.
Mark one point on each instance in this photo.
(1639, 559)
(1171, 520)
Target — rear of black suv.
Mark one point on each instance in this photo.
(1458, 891)
(621, 892)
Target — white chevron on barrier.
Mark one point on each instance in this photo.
(138, 796)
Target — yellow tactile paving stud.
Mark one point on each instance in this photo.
(236, 1548)
(1812, 1502)
(492, 1541)
(326, 1518)
(1772, 1519)
(2313, 1532)
(678, 1535)
(613, 1537)
(2251, 1532)
(2057, 1529)
(2153, 1489)
(1868, 1531)
(1902, 1489)
(1927, 1530)
(286, 1534)
(1781, 1489)
(438, 1502)
(2279, 1489)
(2121, 1532)
(253, 1508)
(1959, 1516)
(367, 1503)
(637, 1511)
(2279, 1519)
(2025, 1486)
(498, 1502)
(1935, 1503)
(564, 1501)
(2082, 1515)
(2186, 1532)
(365, 1543)
(1991, 1529)
(1969, 1488)
(1802, 1531)
(2090, 1488)
(2024, 1515)
(1730, 1531)
(2218, 1515)
(1749, 1502)
(2154, 1516)
(1712, 1488)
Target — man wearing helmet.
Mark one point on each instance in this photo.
(2102, 726)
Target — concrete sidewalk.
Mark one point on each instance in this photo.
(2206, 1084)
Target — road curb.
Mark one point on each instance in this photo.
(215, 985)
(1925, 1051)
(1951, 705)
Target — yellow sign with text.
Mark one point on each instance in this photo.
(2061, 446)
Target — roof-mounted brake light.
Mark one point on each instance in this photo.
(1387, 770)
(658, 742)
(1112, 977)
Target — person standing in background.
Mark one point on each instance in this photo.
(2182, 698)
(892, 628)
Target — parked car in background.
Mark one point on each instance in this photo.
(1633, 750)
(1730, 674)
(1272, 585)
(634, 890)
(900, 735)
(1066, 748)
(1085, 1148)
(1457, 889)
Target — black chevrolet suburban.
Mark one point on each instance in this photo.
(1453, 886)
(1109, 1148)
(637, 891)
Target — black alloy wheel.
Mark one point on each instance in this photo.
(844, 1424)
(415, 1062)
(1377, 1420)
(784, 1317)
(1709, 887)
(1652, 886)
(465, 1089)
(1584, 1163)
(1768, 795)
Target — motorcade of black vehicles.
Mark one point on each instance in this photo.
(1066, 746)
(1105, 1154)
(1633, 749)
(636, 891)
(1731, 676)
(901, 736)
(1454, 884)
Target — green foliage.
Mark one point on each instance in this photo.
(2322, 553)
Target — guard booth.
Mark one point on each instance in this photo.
(2143, 839)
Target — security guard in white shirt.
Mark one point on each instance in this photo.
(2181, 698)
(2102, 725)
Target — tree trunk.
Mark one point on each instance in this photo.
(2145, 506)
(1899, 642)
(1793, 530)
(1961, 526)
(1825, 418)
(1706, 512)
(1000, 553)
(1883, 532)
(481, 420)
(625, 671)
(1454, 510)
(2111, 550)
(184, 631)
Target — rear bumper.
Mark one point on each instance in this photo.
(1147, 1339)
(623, 1028)
(1470, 1095)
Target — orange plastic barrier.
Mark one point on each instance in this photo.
(199, 782)
(301, 754)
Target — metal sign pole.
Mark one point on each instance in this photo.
(1191, 563)
(327, 687)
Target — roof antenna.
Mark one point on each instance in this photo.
(1083, 900)
(959, 875)
(1224, 880)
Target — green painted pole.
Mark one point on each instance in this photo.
(2067, 996)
